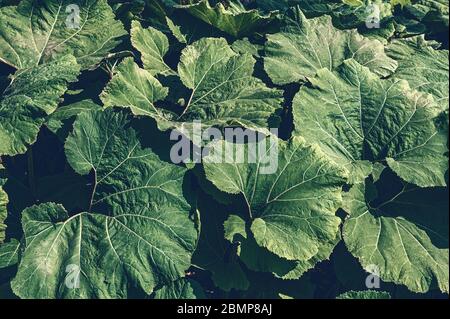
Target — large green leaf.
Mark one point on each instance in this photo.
(32, 94)
(233, 19)
(290, 212)
(260, 259)
(137, 233)
(306, 46)
(35, 32)
(358, 119)
(425, 68)
(219, 84)
(404, 239)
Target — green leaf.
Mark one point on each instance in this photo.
(135, 88)
(367, 294)
(291, 212)
(153, 46)
(224, 91)
(234, 19)
(245, 46)
(356, 117)
(221, 90)
(36, 32)
(32, 94)
(260, 259)
(255, 257)
(306, 46)
(404, 239)
(9, 253)
(56, 121)
(344, 16)
(425, 68)
(137, 232)
(181, 289)
(176, 31)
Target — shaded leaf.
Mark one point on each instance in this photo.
(404, 240)
(110, 247)
(32, 95)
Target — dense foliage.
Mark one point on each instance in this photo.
(92, 206)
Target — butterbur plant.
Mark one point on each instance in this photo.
(203, 149)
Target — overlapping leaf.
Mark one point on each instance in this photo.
(306, 46)
(403, 240)
(233, 19)
(220, 89)
(425, 68)
(260, 259)
(291, 212)
(181, 289)
(153, 45)
(32, 94)
(214, 253)
(144, 88)
(57, 120)
(358, 119)
(137, 233)
(9, 253)
(35, 32)
(433, 13)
